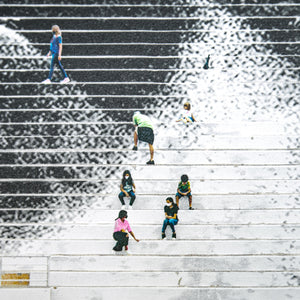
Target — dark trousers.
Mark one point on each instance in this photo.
(122, 240)
(55, 61)
(132, 197)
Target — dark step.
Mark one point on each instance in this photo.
(146, 2)
(255, 23)
(165, 37)
(121, 89)
(99, 158)
(65, 116)
(63, 129)
(58, 172)
(118, 89)
(63, 142)
(56, 102)
(146, 11)
(137, 76)
(104, 76)
(99, 63)
(48, 202)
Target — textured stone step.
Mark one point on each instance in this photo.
(163, 248)
(25, 294)
(203, 142)
(124, 88)
(144, 173)
(241, 201)
(216, 187)
(152, 217)
(135, 293)
(153, 232)
(140, 11)
(117, 263)
(126, 75)
(172, 279)
(277, 22)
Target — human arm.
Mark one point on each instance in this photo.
(133, 187)
(170, 217)
(122, 190)
(59, 51)
(132, 234)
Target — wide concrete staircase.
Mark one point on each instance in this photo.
(65, 147)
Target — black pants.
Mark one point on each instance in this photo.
(122, 240)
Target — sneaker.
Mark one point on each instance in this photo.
(123, 207)
(46, 81)
(191, 208)
(135, 148)
(174, 236)
(163, 236)
(66, 80)
(130, 207)
(150, 162)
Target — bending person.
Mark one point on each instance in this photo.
(120, 235)
(143, 132)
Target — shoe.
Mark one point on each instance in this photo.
(205, 67)
(191, 208)
(123, 207)
(66, 80)
(174, 236)
(135, 148)
(163, 236)
(150, 162)
(130, 207)
(46, 81)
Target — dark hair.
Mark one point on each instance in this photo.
(122, 214)
(187, 105)
(170, 199)
(130, 180)
(184, 178)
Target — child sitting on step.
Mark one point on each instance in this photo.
(127, 189)
(187, 116)
(171, 219)
(184, 189)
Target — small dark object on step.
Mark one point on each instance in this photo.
(206, 63)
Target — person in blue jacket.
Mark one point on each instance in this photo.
(55, 51)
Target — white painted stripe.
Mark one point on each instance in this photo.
(148, 18)
(139, 83)
(156, 30)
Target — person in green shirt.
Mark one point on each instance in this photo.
(143, 132)
(184, 189)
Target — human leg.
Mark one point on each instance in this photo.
(165, 224)
(135, 139)
(172, 223)
(177, 196)
(53, 61)
(121, 197)
(122, 240)
(132, 197)
(190, 201)
(62, 69)
(151, 152)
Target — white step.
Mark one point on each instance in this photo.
(212, 293)
(174, 263)
(161, 247)
(25, 294)
(174, 279)
(191, 232)
(186, 217)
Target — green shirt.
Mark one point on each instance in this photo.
(184, 187)
(142, 121)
